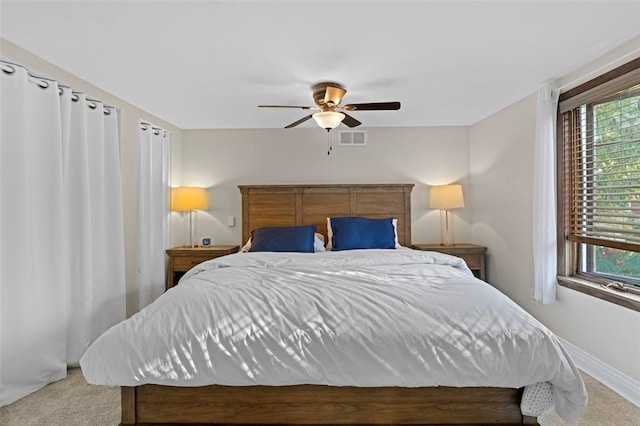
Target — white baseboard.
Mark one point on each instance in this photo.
(619, 382)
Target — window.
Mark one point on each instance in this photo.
(599, 181)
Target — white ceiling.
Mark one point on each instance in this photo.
(200, 64)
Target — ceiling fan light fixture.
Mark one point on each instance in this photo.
(328, 119)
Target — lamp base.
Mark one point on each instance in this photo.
(447, 229)
(192, 223)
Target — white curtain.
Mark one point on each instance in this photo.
(94, 220)
(153, 208)
(544, 198)
(61, 229)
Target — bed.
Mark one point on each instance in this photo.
(153, 395)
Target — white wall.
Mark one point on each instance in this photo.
(501, 174)
(130, 117)
(223, 159)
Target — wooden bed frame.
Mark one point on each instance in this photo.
(284, 205)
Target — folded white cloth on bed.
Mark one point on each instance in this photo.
(360, 318)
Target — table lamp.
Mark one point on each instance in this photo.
(446, 198)
(189, 199)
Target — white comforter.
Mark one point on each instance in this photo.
(363, 318)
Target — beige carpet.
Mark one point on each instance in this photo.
(72, 402)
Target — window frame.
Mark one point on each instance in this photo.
(568, 274)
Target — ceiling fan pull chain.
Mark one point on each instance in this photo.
(329, 147)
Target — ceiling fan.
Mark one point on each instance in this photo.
(327, 96)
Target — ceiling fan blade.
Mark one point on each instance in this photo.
(334, 95)
(295, 123)
(286, 106)
(350, 121)
(373, 106)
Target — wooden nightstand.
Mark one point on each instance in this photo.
(181, 259)
(471, 253)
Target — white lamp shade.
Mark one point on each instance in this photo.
(328, 119)
(189, 198)
(446, 197)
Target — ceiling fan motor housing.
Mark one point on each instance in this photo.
(320, 94)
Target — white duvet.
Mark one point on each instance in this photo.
(361, 318)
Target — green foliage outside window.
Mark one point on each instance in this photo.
(616, 158)
(615, 262)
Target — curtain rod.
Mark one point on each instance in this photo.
(144, 126)
(43, 82)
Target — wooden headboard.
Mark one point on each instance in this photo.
(289, 205)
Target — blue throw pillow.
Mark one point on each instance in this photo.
(362, 233)
(283, 238)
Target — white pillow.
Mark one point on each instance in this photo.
(394, 221)
(318, 243)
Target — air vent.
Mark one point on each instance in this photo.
(352, 138)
